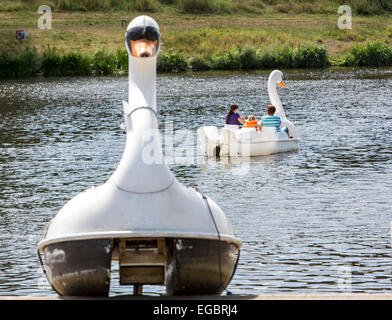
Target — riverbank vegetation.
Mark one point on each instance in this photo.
(103, 62)
(87, 36)
(372, 54)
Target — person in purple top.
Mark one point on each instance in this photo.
(233, 117)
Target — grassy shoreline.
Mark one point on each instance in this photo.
(103, 62)
(272, 36)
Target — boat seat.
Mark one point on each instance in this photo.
(247, 134)
(234, 127)
(211, 132)
(268, 133)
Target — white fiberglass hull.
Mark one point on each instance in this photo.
(234, 142)
(264, 148)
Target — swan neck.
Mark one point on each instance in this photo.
(142, 168)
(142, 79)
(274, 98)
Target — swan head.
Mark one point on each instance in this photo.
(276, 76)
(143, 38)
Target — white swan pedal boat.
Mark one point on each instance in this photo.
(159, 231)
(233, 141)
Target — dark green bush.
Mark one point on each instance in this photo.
(75, 64)
(69, 64)
(371, 54)
(199, 63)
(172, 61)
(284, 57)
(236, 59)
(89, 5)
(103, 63)
(29, 63)
(122, 60)
(9, 66)
(247, 57)
(309, 56)
(51, 62)
(205, 6)
(232, 60)
(267, 58)
(16, 65)
(196, 6)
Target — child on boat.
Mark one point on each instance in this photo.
(251, 122)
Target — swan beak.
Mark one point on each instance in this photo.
(144, 48)
(282, 84)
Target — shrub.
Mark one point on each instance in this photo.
(309, 56)
(8, 65)
(247, 58)
(284, 57)
(266, 58)
(75, 64)
(199, 63)
(69, 64)
(232, 60)
(143, 5)
(15, 65)
(205, 6)
(236, 59)
(122, 60)
(51, 62)
(371, 54)
(84, 5)
(29, 63)
(103, 63)
(172, 61)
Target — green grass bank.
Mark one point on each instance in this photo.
(87, 36)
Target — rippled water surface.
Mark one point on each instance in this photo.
(307, 219)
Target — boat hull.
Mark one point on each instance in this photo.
(247, 142)
(191, 266)
(79, 268)
(199, 267)
(266, 147)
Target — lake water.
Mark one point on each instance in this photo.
(315, 220)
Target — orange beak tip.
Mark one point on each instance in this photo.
(282, 84)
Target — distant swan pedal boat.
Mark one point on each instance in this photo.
(159, 231)
(233, 141)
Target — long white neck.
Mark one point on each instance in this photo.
(142, 168)
(274, 98)
(142, 82)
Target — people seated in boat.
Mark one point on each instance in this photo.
(273, 121)
(233, 117)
